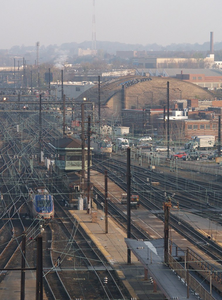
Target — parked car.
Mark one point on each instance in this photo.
(145, 139)
(179, 155)
(213, 155)
(145, 146)
(191, 156)
(203, 155)
(161, 149)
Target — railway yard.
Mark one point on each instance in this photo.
(81, 261)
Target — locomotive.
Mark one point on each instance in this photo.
(41, 203)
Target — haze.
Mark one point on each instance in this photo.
(143, 22)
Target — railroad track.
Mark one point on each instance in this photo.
(88, 261)
(143, 180)
(118, 215)
(204, 243)
(199, 192)
(201, 241)
(54, 285)
(14, 200)
(10, 164)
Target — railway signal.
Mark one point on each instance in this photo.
(105, 280)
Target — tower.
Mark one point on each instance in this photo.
(93, 28)
(37, 62)
(211, 43)
(37, 54)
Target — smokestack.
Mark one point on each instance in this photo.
(211, 43)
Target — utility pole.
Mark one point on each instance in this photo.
(19, 98)
(23, 267)
(72, 112)
(128, 175)
(106, 204)
(164, 118)
(19, 121)
(167, 206)
(39, 269)
(62, 83)
(18, 77)
(83, 143)
(49, 82)
(123, 106)
(99, 101)
(37, 63)
(64, 115)
(143, 121)
(23, 79)
(187, 273)
(31, 84)
(168, 120)
(40, 126)
(88, 170)
(219, 136)
(14, 73)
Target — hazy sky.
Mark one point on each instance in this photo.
(24, 22)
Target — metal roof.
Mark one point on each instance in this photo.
(172, 72)
(151, 254)
(66, 142)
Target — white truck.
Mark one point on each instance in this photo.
(201, 142)
(122, 143)
(145, 139)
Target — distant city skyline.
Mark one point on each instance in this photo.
(142, 22)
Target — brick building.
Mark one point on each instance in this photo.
(182, 130)
(212, 81)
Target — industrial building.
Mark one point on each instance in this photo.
(72, 89)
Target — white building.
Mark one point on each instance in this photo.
(121, 130)
(72, 89)
(86, 52)
(179, 114)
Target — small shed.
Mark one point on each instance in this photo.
(68, 154)
(121, 130)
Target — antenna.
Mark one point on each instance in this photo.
(93, 28)
(37, 54)
(37, 61)
(211, 43)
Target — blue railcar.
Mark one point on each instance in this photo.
(42, 204)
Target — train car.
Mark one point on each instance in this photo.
(134, 200)
(106, 147)
(102, 146)
(41, 204)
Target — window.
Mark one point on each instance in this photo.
(194, 78)
(61, 157)
(195, 126)
(199, 78)
(77, 89)
(207, 126)
(190, 127)
(214, 126)
(202, 126)
(73, 158)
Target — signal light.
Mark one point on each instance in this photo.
(105, 280)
